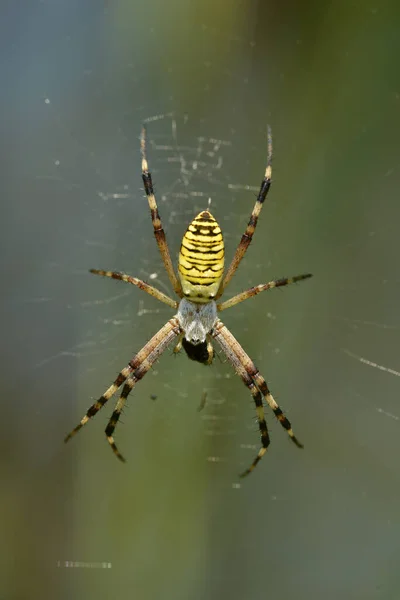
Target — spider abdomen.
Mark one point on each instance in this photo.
(201, 258)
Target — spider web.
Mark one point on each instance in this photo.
(190, 172)
(79, 79)
(189, 175)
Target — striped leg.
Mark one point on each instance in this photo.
(116, 414)
(232, 347)
(91, 412)
(149, 289)
(158, 344)
(156, 220)
(219, 334)
(147, 355)
(251, 226)
(284, 421)
(260, 288)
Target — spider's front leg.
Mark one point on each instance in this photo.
(257, 385)
(241, 370)
(132, 373)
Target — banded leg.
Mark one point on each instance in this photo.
(158, 343)
(251, 226)
(228, 341)
(115, 417)
(156, 220)
(160, 340)
(259, 380)
(260, 288)
(149, 289)
(94, 409)
(242, 371)
(283, 420)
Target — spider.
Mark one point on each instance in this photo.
(196, 323)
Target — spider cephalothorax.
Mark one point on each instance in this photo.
(201, 283)
(197, 321)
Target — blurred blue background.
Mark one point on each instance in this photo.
(78, 79)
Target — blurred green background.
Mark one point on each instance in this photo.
(78, 79)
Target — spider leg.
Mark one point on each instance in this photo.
(242, 363)
(243, 372)
(115, 417)
(283, 420)
(157, 344)
(251, 226)
(156, 220)
(137, 367)
(149, 289)
(91, 412)
(253, 291)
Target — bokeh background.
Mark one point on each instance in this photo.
(77, 80)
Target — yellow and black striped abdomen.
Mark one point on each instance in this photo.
(201, 258)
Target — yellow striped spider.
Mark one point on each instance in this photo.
(196, 323)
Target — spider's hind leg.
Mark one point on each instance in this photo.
(156, 219)
(252, 224)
